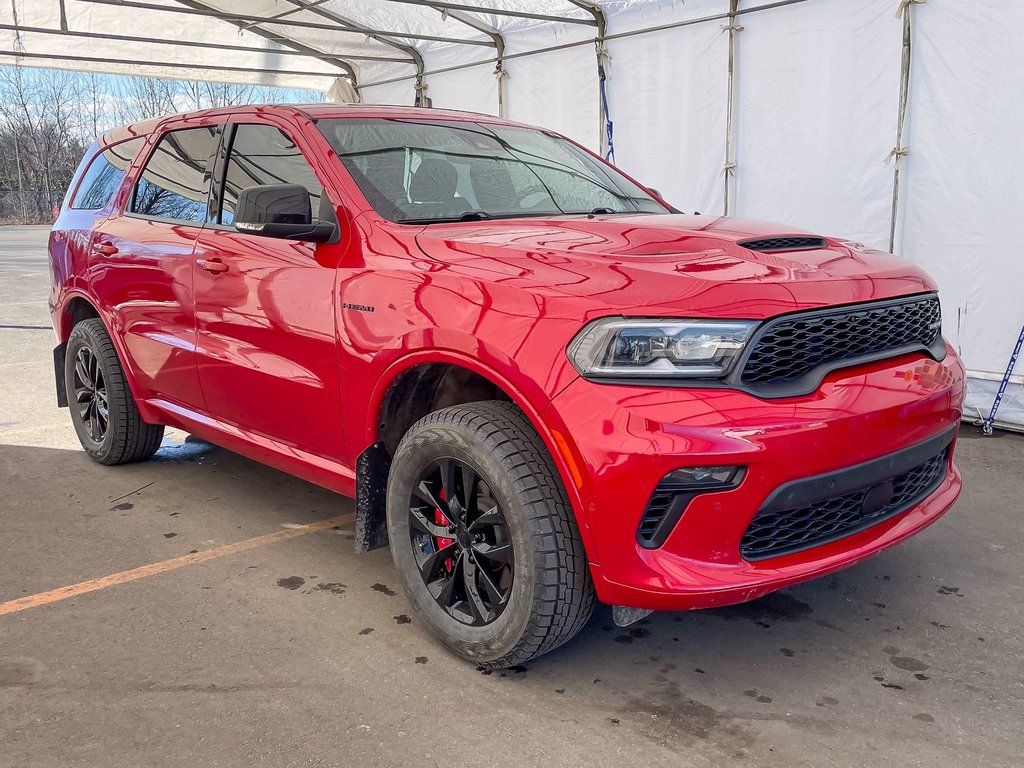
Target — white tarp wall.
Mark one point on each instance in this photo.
(814, 111)
(817, 87)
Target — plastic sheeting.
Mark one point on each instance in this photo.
(817, 86)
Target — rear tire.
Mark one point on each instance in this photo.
(103, 410)
(519, 533)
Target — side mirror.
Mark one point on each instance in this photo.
(655, 192)
(280, 210)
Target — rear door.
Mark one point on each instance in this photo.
(143, 267)
(90, 201)
(264, 306)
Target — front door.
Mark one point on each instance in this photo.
(267, 352)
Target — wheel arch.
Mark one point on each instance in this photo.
(78, 306)
(448, 378)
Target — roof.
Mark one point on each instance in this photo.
(315, 111)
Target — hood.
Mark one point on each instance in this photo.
(702, 266)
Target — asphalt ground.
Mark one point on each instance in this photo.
(276, 645)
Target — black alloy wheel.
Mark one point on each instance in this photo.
(484, 537)
(90, 389)
(461, 542)
(104, 413)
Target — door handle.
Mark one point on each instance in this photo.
(214, 266)
(105, 249)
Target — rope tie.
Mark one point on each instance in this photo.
(729, 168)
(501, 73)
(733, 28)
(895, 155)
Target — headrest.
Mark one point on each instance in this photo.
(434, 181)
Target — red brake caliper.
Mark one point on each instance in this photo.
(442, 542)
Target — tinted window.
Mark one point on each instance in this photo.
(173, 184)
(104, 175)
(261, 154)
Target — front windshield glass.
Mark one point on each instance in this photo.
(424, 171)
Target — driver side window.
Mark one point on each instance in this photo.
(263, 154)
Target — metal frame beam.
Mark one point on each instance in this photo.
(500, 72)
(498, 11)
(591, 40)
(176, 65)
(291, 12)
(194, 44)
(248, 18)
(334, 61)
(411, 51)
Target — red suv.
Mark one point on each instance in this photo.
(543, 385)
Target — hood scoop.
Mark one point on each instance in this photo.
(789, 243)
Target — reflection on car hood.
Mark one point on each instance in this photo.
(663, 264)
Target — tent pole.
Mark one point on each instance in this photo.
(900, 150)
(729, 169)
(602, 69)
(448, 11)
(347, 24)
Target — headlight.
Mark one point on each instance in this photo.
(623, 347)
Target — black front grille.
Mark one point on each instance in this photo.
(791, 243)
(790, 349)
(775, 532)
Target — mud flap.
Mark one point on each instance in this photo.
(371, 498)
(623, 616)
(59, 353)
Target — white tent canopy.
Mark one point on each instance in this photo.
(895, 123)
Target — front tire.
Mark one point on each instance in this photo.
(103, 410)
(484, 537)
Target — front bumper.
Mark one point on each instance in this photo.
(620, 441)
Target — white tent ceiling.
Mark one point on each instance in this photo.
(780, 109)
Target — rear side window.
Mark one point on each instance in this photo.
(262, 154)
(104, 175)
(175, 182)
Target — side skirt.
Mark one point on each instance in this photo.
(287, 458)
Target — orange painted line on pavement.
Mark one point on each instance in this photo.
(84, 587)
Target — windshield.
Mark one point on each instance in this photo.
(424, 171)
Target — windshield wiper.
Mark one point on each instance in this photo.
(476, 216)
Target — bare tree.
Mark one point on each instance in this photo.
(141, 98)
(48, 117)
(40, 129)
